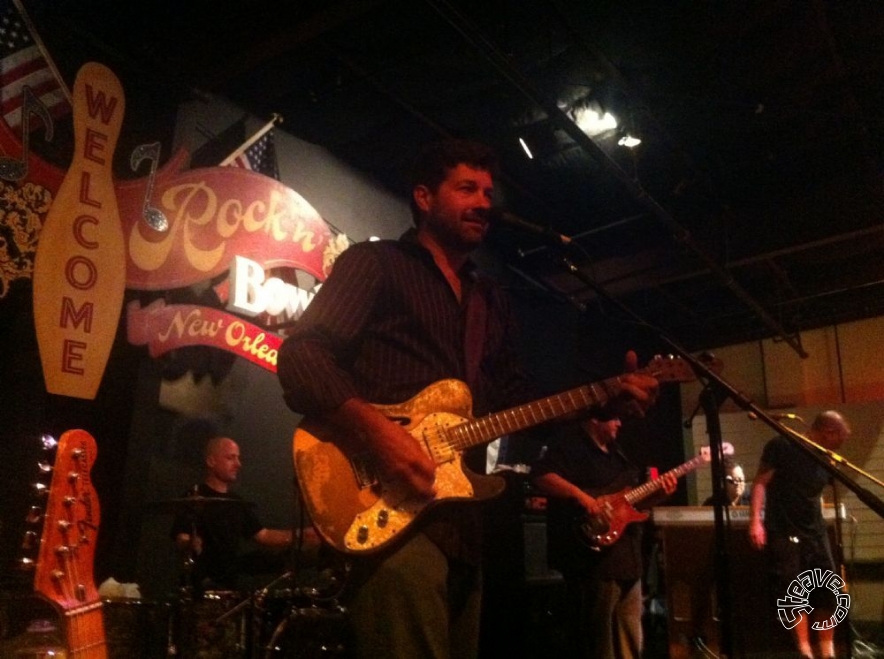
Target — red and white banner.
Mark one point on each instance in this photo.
(165, 327)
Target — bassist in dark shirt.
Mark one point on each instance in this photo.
(603, 584)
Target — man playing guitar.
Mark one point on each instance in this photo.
(582, 463)
(394, 318)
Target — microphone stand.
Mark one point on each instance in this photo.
(835, 464)
(719, 390)
(711, 399)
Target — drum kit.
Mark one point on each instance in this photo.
(295, 615)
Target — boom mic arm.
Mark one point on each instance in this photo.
(500, 216)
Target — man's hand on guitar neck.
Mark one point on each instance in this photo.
(400, 458)
(639, 390)
(669, 482)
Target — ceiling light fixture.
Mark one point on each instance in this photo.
(593, 122)
(526, 149)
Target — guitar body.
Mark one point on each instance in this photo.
(351, 506)
(606, 528)
(619, 509)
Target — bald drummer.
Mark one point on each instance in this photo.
(211, 530)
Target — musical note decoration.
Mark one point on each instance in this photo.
(16, 169)
(154, 217)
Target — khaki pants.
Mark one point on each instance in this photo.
(416, 603)
(608, 620)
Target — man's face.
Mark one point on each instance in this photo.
(735, 483)
(833, 436)
(454, 214)
(605, 432)
(224, 462)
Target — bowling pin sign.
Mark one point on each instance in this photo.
(80, 265)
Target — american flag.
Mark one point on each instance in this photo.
(22, 63)
(260, 157)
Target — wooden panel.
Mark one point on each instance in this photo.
(688, 562)
(793, 381)
(860, 345)
(742, 367)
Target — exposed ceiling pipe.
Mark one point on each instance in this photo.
(478, 41)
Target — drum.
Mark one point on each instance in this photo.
(304, 630)
(136, 629)
(218, 626)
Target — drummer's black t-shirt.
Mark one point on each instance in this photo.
(222, 526)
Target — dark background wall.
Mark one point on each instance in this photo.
(151, 415)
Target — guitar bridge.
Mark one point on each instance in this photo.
(364, 470)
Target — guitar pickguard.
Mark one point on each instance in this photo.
(393, 512)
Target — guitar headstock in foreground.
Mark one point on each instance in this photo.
(64, 571)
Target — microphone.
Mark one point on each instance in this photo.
(501, 216)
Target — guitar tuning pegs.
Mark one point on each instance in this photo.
(26, 564)
(48, 442)
(31, 541)
(44, 466)
(41, 490)
(35, 515)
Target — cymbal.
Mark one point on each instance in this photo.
(194, 503)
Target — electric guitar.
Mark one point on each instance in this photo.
(619, 509)
(67, 547)
(354, 510)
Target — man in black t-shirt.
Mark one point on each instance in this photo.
(604, 586)
(788, 487)
(212, 528)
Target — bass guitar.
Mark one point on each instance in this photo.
(619, 510)
(355, 510)
(64, 572)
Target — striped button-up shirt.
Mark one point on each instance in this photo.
(386, 324)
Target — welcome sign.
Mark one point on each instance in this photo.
(81, 256)
(95, 244)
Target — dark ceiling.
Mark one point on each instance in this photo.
(752, 208)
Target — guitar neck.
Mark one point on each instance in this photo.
(645, 490)
(487, 428)
(64, 571)
(514, 419)
(84, 631)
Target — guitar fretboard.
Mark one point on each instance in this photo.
(492, 426)
(645, 490)
(85, 632)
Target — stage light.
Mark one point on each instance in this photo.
(526, 149)
(629, 141)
